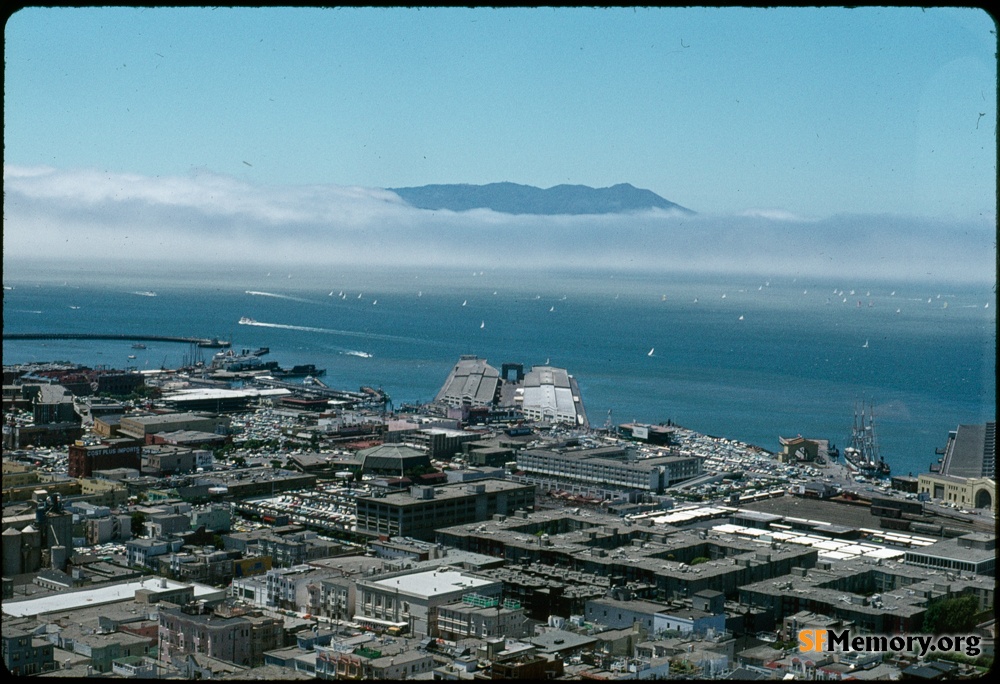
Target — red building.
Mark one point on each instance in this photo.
(112, 453)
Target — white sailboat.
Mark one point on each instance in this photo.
(482, 325)
(650, 351)
(865, 345)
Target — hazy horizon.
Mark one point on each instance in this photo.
(86, 216)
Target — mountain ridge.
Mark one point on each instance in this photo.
(513, 198)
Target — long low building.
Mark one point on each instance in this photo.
(544, 393)
(604, 469)
(421, 511)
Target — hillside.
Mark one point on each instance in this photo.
(512, 198)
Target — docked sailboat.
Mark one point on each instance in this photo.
(863, 454)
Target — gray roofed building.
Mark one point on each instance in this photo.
(971, 452)
(561, 641)
(551, 394)
(392, 459)
(974, 552)
(544, 393)
(471, 381)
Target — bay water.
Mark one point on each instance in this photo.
(743, 357)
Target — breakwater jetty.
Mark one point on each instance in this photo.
(211, 342)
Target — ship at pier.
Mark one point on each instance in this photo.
(863, 455)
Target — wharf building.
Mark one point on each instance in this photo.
(143, 428)
(966, 474)
(423, 510)
(219, 400)
(604, 471)
(544, 393)
(661, 435)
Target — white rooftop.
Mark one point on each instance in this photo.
(96, 597)
(434, 582)
(218, 393)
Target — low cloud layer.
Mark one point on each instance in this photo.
(205, 217)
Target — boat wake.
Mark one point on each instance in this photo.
(351, 352)
(144, 293)
(256, 293)
(332, 331)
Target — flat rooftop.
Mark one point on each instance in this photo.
(450, 491)
(431, 582)
(93, 597)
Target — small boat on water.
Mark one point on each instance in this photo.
(247, 321)
(651, 349)
(131, 356)
(138, 345)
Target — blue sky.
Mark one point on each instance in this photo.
(801, 114)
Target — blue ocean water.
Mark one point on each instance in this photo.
(744, 358)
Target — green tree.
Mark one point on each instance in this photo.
(955, 615)
(138, 523)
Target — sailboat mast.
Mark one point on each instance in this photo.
(875, 458)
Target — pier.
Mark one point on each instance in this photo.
(211, 342)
